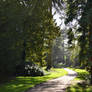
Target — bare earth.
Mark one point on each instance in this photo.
(55, 85)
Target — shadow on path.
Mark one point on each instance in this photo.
(55, 85)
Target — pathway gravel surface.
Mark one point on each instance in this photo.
(55, 85)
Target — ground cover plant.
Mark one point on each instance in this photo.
(21, 84)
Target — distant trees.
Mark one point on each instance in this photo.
(81, 11)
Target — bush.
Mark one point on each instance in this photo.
(29, 69)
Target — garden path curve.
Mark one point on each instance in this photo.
(55, 85)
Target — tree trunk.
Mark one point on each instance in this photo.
(91, 75)
(49, 61)
(24, 52)
(40, 59)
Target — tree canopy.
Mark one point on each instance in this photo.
(27, 31)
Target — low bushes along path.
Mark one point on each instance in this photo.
(55, 85)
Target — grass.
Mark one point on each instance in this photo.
(82, 74)
(21, 84)
(79, 88)
(82, 86)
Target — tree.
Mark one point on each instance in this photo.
(81, 11)
(25, 30)
(11, 23)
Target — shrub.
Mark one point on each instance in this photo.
(29, 69)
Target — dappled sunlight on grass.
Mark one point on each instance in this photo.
(79, 88)
(82, 86)
(20, 84)
(82, 74)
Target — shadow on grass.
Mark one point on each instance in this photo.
(20, 84)
(83, 86)
(80, 88)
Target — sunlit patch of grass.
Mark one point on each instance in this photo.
(20, 84)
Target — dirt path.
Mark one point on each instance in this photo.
(55, 85)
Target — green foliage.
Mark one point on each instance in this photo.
(81, 11)
(25, 22)
(20, 84)
(11, 23)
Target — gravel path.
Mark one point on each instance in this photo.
(55, 85)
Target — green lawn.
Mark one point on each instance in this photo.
(80, 87)
(20, 84)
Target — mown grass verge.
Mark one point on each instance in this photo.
(82, 85)
(21, 84)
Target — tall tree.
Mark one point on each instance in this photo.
(26, 27)
(81, 11)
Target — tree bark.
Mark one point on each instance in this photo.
(49, 61)
(91, 75)
(24, 51)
